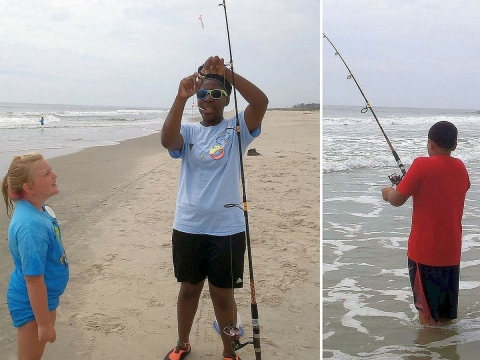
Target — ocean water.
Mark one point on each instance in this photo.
(70, 128)
(368, 310)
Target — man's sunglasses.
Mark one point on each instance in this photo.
(214, 93)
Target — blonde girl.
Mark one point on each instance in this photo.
(40, 268)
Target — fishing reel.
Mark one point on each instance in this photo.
(395, 179)
(234, 334)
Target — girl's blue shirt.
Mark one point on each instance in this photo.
(35, 243)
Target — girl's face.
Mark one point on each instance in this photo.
(44, 181)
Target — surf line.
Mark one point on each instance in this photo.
(232, 330)
(394, 178)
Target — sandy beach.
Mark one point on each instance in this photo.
(116, 210)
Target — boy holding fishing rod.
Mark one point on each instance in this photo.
(438, 185)
(208, 239)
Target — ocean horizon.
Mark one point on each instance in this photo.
(406, 129)
(71, 128)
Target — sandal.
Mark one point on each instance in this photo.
(177, 353)
(232, 358)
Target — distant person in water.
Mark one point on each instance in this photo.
(42, 121)
(438, 185)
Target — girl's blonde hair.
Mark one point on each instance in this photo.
(20, 172)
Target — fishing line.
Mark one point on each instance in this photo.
(194, 105)
(232, 330)
(394, 178)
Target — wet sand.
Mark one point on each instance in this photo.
(116, 210)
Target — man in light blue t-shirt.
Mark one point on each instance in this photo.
(208, 239)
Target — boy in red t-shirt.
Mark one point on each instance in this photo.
(438, 185)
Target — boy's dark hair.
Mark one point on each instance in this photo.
(220, 79)
(444, 134)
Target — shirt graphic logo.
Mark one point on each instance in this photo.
(216, 152)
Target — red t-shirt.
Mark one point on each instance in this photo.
(438, 185)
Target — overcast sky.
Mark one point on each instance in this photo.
(134, 52)
(407, 53)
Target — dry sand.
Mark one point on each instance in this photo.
(116, 210)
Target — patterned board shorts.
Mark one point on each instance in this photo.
(435, 290)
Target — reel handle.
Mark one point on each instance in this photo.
(234, 334)
(395, 179)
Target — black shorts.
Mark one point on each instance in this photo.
(218, 258)
(435, 290)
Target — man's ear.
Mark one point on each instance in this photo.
(227, 100)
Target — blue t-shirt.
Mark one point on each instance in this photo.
(35, 242)
(210, 178)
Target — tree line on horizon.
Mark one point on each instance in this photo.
(301, 107)
(309, 106)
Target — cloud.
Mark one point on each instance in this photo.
(408, 53)
(135, 52)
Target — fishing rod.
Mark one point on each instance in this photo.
(394, 178)
(231, 330)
